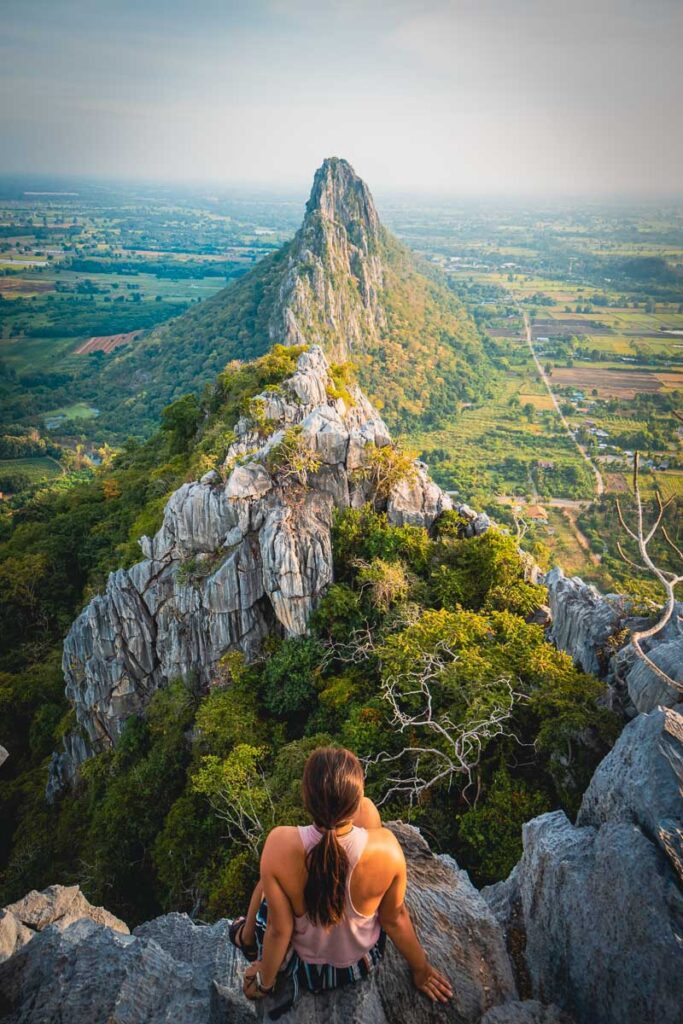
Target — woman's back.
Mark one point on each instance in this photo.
(330, 892)
(344, 943)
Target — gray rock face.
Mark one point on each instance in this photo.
(583, 619)
(417, 502)
(330, 294)
(641, 782)
(89, 974)
(231, 562)
(600, 906)
(170, 969)
(57, 906)
(593, 628)
(528, 1012)
(645, 688)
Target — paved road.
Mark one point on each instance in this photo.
(599, 482)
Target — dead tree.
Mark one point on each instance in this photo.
(669, 580)
(452, 749)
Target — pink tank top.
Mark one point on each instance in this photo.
(346, 943)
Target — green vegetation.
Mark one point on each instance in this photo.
(175, 815)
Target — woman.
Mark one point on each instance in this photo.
(330, 892)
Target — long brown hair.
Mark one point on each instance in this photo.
(332, 791)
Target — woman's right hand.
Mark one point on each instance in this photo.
(432, 983)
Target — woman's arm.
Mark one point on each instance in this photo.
(395, 919)
(367, 815)
(280, 917)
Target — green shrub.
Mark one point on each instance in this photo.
(491, 832)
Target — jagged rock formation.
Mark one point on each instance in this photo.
(233, 561)
(594, 629)
(172, 969)
(599, 907)
(58, 906)
(330, 293)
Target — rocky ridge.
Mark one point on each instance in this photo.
(234, 560)
(598, 906)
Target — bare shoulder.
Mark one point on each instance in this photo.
(282, 839)
(383, 841)
(367, 816)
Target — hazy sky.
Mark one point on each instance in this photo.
(474, 96)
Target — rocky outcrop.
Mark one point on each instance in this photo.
(330, 292)
(641, 783)
(594, 629)
(598, 907)
(57, 907)
(584, 620)
(173, 969)
(233, 561)
(4, 754)
(589, 923)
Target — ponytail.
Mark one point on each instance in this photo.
(332, 791)
(325, 891)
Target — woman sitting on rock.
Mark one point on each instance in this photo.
(330, 893)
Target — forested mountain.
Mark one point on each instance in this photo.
(343, 282)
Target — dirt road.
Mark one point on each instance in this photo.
(599, 482)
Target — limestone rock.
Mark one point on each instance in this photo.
(250, 481)
(528, 1012)
(13, 934)
(645, 688)
(541, 616)
(61, 905)
(599, 907)
(4, 754)
(641, 781)
(583, 619)
(330, 293)
(89, 974)
(417, 501)
(594, 629)
(231, 563)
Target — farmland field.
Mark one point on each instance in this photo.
(37, 470)
(604, 294)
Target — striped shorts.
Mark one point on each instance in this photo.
(297, 976)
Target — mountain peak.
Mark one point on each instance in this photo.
(339, 194)
(330, 293)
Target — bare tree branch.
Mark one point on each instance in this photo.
(453, 749)
(668, 580)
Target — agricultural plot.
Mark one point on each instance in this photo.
(37, 470)
(107, 342)
(609, 382)
(77, 411)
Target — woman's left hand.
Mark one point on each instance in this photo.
(249, 985)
